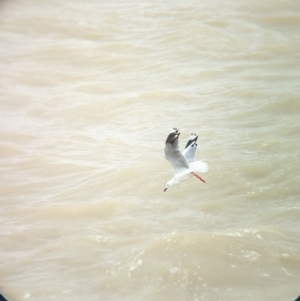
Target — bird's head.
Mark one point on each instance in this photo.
(170, 183)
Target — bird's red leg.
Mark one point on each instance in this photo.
(197, 176)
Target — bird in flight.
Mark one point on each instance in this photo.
(184, 163)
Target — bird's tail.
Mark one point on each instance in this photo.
(199, 166)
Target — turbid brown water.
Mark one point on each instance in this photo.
(89, 92)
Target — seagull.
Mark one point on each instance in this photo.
(184, 163)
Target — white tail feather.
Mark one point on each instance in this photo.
(199, 166)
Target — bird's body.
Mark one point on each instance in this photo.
(184, 163)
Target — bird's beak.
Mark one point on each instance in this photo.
(165, 189)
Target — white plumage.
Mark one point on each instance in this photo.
(184, 163)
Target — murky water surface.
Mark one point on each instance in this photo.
(89, 92)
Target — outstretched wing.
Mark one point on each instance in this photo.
(172, 153)
(190, 149)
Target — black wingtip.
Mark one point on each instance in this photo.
(2, 298)
(173, 136)
(193, 138)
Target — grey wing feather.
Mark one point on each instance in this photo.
(172, 153)
(189, 152)
(190, 149)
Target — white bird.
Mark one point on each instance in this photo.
(184, 163)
